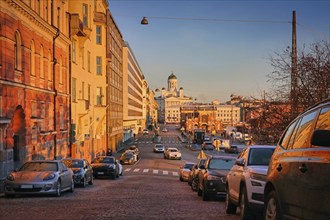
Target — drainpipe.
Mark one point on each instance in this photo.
(54, 78)
(70, 88)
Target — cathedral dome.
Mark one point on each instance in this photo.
(172, 76)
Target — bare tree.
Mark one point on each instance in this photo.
(313, 74)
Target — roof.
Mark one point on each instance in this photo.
(172, 76)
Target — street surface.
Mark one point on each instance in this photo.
(149, 189)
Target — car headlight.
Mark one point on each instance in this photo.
(210, 177)
(258, 176)
(112, 166)
(49, 177)
(10, 177)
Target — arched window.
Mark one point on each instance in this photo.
(32, 60)
(60, 71)
(49, 66)
(18, 51)
(42, 73)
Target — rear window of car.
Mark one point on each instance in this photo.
(221, 164)
(260, 156)
(104, 160)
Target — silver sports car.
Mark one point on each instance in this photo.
(40, 177)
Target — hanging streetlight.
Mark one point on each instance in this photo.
(144, 21)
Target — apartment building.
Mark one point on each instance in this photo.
(114, 93)
(132, 94)
(34, 81)
(88, 77)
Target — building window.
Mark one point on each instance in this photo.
(74, 50)
(42, 73)
(89, 93)
(58, 17)
(49, 63)
(82, 90)
(98, 34)
(83, 57)
(17, 51)
(46, 8)
(61, 72)
(99, 65)
(34, 110)
(99, 96)
(74, 90)
(85, 15)
(89, 61)
(62, 117)
(32, 59)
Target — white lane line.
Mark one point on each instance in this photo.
(155, 171)
(136, 170)
(145, 170)
(128, 169)
(175, 174)
(165, 172)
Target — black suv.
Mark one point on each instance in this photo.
(212, 176)
(298, 179)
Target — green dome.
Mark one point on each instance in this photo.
(172, 76)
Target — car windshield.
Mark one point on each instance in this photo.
(73, 163)
(104, 160)
(159, 146)
(39, 166)
(260, 156)
(221, 164)
(173, 150)
(128, 155)
(188, 166)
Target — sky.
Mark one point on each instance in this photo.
(209, 45)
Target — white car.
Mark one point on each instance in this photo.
(145, 131)
(159, 148)
(246, 180)
(172, 153)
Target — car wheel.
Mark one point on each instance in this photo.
(58, 188)
(194, 185)
(272, 209)
(244, 204)
(199, 191)
(230, 207)
(72, 186)
(204, 195)
(91, 181)
(84, 183)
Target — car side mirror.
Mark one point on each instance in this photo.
(321, 138)
(240, 162)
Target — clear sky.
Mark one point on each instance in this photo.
(214, 59)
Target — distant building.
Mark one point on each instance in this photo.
(170, 100)
(132, 94)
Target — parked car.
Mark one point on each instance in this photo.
(39, 177)
(212, 176)
(164, 130)
(207, 145)
(145, 131)
(128, 157)
(159, 148)
(136, 151)
(231, 149)
(185, 170)
(193, 175)
(298, 179)
(82, 171)
(246, 180)
(172, 153)
(106, 166)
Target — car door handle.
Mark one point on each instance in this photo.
(279, 168)
(303, 168)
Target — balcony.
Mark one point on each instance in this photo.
(77, 27)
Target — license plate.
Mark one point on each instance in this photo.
(26, 186)
(100, 172)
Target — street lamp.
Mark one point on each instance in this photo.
(144, 21)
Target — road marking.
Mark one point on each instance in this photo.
(136, 170)
(128, 169)
(155, 171)
(175, 174)
(165, 172)
(145, 170)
